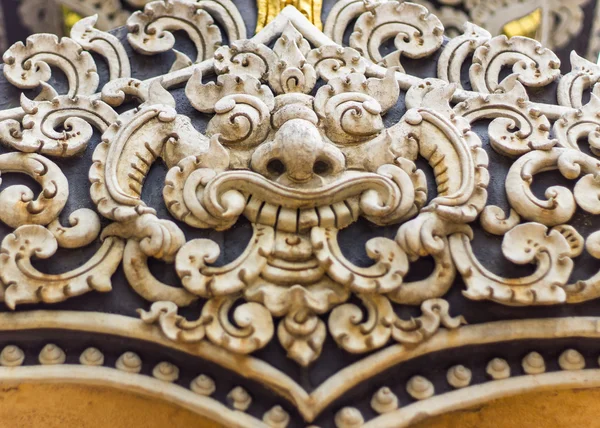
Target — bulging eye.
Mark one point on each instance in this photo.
(352, 118)
(241, 120)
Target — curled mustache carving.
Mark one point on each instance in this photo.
(216, 199)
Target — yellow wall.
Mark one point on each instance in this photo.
(571, 408)
(54, 406)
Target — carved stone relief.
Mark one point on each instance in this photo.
(304, 139)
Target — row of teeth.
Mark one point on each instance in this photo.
(338, 215)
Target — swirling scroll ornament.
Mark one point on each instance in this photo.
(174, 326)
(385, 276)
(75, 115)
(583, 76)
(25, 284)
(517, 125)
(535, 65)
(525, 243)
(28, 65)
(252, 327)
(332, 61)
(150, 30)
(19, 206)
(103, 43)
(415, 31)
(342, 14)
(576, 125)
(141, 279)
(357, 335)
(246, 57)
(202, 280)
(83, 230)
(587, 289)
(560, 204)
(227, 15)
(115, 93)
(457, 50)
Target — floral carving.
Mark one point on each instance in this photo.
(28, 65)
(299, 167)
(150, 30)
(525, 243)
(415, 31)
(303, 138)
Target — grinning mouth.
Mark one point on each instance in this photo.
(338, 215)
(336, 204)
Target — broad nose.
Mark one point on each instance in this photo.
(298, 154)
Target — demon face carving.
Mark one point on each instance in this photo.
(296, 144)
(294, 161)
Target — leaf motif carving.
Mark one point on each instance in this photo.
(28, 65)
(25, 284)
(525, 243)
(150, 30)
(38, 132)
(415, 31)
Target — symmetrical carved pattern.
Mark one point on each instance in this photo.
(303, 137)
(266, 157)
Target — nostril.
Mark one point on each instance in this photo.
(321, 167)
(275, 167)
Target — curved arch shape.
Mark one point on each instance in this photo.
(145, 386)
(475, 395)
(308, 405)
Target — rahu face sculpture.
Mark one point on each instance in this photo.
(294, 161)
(296, 143)
(300, 167)
(289, 138)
